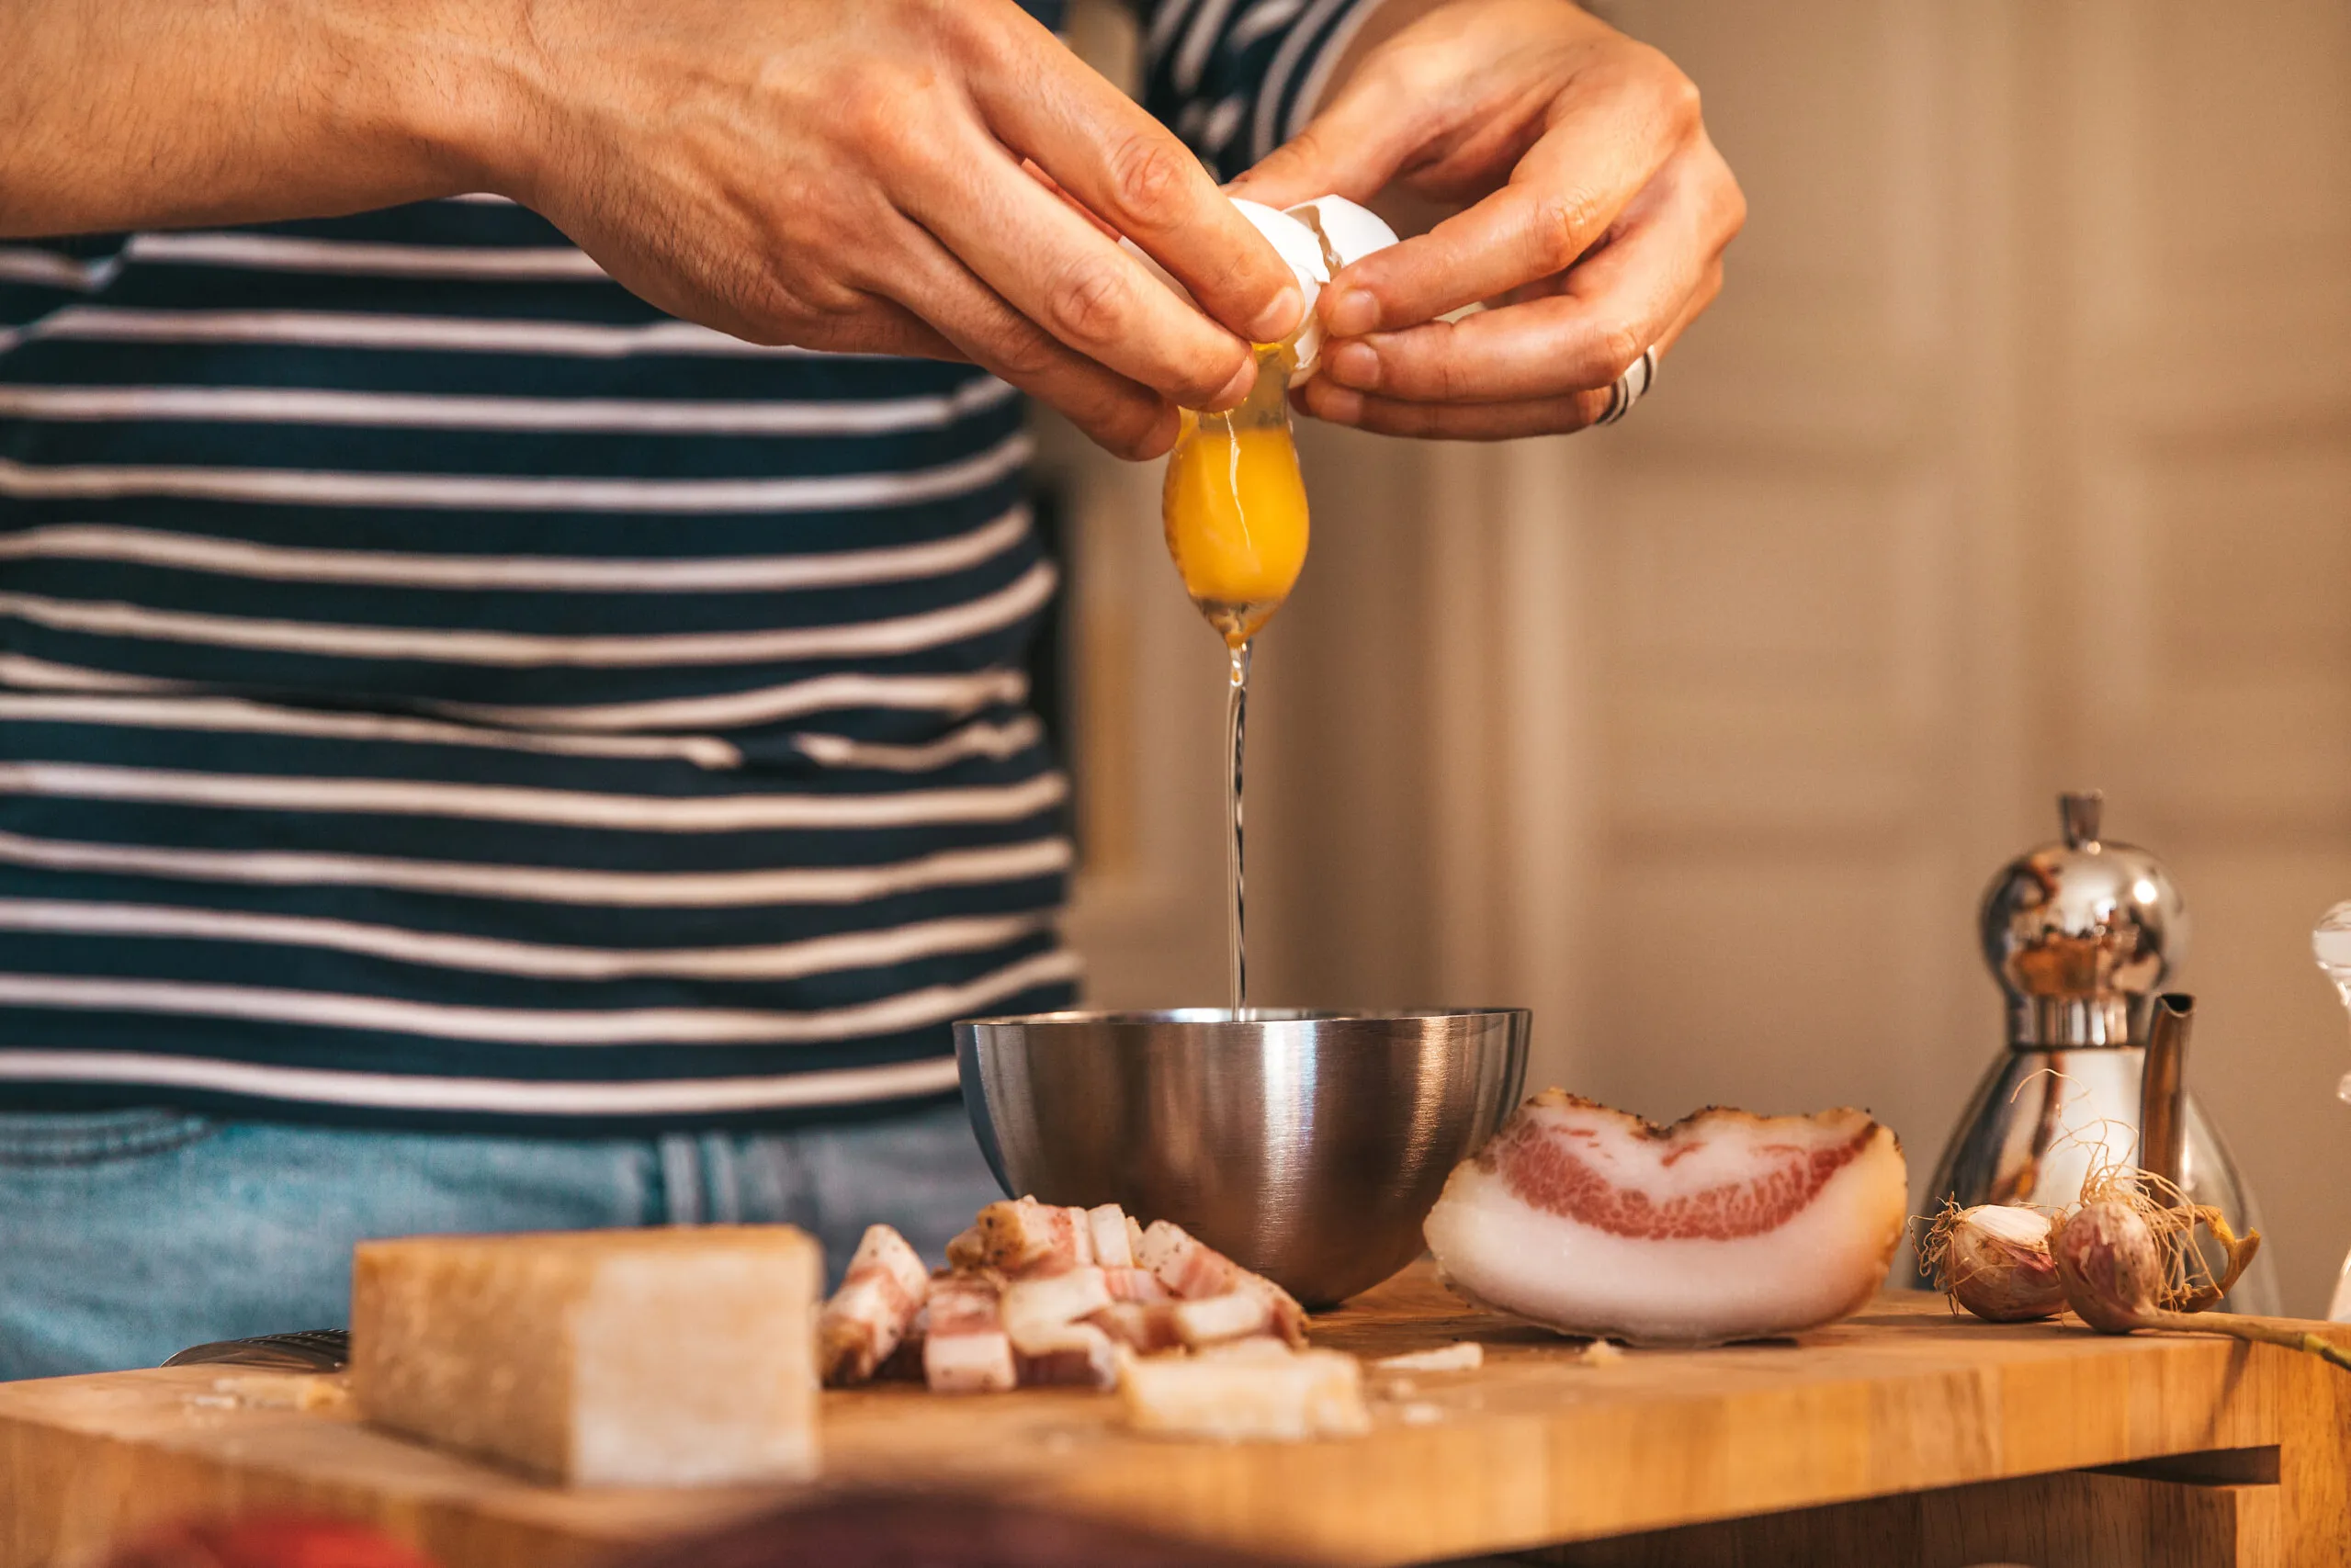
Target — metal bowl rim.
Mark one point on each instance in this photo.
(1222, 1018)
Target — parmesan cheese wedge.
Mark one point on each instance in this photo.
(673, 1357)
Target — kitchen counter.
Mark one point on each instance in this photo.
(1905, 1434)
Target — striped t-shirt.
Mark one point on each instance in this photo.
(434, 684)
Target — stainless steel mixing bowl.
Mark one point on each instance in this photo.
(1306, 1146)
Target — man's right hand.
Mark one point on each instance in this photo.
(841, 177)
(848, 177)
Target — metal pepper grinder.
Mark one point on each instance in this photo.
(2081, 935)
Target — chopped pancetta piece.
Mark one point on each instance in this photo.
(866, 1318)
(1034, 1310)
(1145, 1327)
(1236, 1315)
(1194, 1271)
(1723, 1226)
(1074, 1355)
(1267, 1392)
(1136, 1285)
(905, 1363)
(1260, 1348)
(1021, 1234)
(1461, 1356)
(1108, 1225)
(967, 1350)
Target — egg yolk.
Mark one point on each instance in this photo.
(1234, 506)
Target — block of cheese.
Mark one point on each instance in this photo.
(669, 1356)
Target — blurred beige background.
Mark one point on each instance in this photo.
(2016, 456)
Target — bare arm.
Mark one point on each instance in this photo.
(839, 177)
(157, 113)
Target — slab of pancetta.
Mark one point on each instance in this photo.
(1724, 1225)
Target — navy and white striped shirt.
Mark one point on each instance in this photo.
(435, 685)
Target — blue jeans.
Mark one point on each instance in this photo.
(126, 1236)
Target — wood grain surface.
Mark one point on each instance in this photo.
(1536, 1449)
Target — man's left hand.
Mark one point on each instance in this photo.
(1593, 213)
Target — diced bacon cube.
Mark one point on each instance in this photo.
(1107, 1223)
(1081, 1243)
(1021, 1234)
(969, 1364)
(1263, 1348)
(866, 1318)
(1075, 1355)
(968, 1249)
(905, 1363)
(1461, 1356)
(1266, 1392)
(1036, 1310)
(1194, 1271)
(1184, 1265)
(966, 1350)
(1135, 1285)
(1144, 1328)
(1236, 1315)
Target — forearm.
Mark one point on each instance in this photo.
(153, 113)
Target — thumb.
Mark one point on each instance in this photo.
(1353, 148)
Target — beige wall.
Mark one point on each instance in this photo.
(2017, 457)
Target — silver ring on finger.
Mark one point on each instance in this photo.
(1631, 387)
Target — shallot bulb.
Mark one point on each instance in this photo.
(2112, 1263)
(2120, 1254)
(1993, 1260)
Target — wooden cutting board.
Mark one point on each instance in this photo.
(1534, 1450)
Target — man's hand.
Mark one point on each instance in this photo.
(1595, 216)
(848, 177)
(836, 175)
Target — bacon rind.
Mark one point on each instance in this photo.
(865, 1319)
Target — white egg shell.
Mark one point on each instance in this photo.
(1297, 236)
(1345, 233)
(1295, 243)
(1354, 231)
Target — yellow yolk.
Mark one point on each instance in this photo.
(1235, 507)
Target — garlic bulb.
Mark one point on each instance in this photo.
(1993, 1260)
